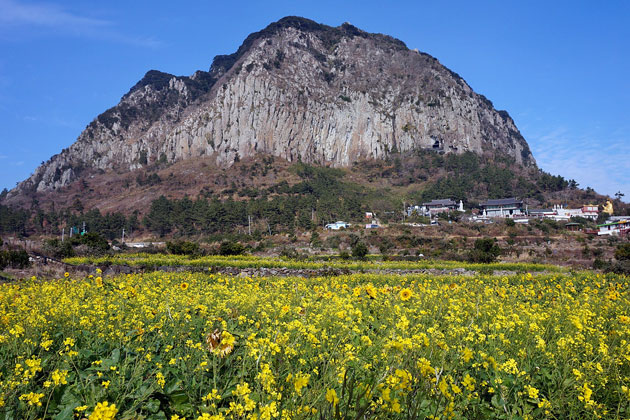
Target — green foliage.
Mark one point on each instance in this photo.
(142, 159)
(315, 240)
(183, 247)
(95, 243)
(359, 250)
(622, 253)
(468, 174)
(385, 246)
(14, 258)
(599, 264)
(13, 221)
(159, 217)
(288, 252)
(282, 207)
(548, 182)
(618, 267)
(581, 220)
(91, 243)
(109, 225)
(231, 248)
(58, 249)
(151, 261)
(151, 179)
(485, 251)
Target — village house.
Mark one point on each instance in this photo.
(590, 212)
(503, 207)
(434, 207)
(540, 213)
(560, 213)
(614, 227)
(337, 225)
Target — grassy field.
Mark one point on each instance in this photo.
(248, 261)
(202, 346)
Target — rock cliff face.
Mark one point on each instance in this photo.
(297, 90)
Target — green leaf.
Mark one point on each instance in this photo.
(153, 406)
(67, 413)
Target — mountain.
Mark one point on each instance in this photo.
(299, 91)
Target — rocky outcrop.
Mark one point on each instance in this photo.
(298, 90)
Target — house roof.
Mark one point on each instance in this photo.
(615, 223)
(501, 202)
(540, 210)
(445, 202)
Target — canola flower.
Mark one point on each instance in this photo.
(250, 261)
(104, 411)
(354, 346)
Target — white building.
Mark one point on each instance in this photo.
(503, 207)
(561, 213)
(620, 227)
(337, 225)
(434, 207)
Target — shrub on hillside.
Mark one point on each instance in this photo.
(58, 249)
(231, 248)
(183, 247)
(95, 243)
(88, 244)
(622, 253)
(485, 251)
(14, 258)
(622, 265)
(359, 250)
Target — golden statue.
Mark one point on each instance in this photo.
(608, 208)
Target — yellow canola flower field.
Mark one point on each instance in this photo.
(199, 346)
(153, 261)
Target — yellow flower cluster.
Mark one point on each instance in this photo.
(104, 411)
(355, 346)
(251, 261)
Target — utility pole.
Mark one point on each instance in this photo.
(249, 224)
(123, 237)
(63, 234)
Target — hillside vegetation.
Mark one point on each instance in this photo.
(280, 197)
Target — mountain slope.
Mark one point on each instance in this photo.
(297, 90)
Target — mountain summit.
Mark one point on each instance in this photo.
(297, 90)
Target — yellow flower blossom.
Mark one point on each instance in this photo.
(331, 397)
(104, 411)
(32, 398)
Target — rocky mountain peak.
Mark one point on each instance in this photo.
(299, 90)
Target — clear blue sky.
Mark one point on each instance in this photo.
(561, 68)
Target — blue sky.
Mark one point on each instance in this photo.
(561, 69)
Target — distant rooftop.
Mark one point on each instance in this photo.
(445, 202)
(501, 202)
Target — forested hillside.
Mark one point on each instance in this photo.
(267, 195)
